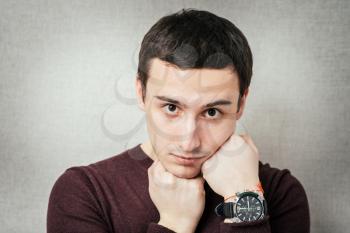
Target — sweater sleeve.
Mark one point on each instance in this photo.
(73, 207)
(288, 209)
(156, 228)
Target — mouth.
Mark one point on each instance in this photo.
(184, 160)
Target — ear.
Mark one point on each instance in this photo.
(242, 105)
(138, 87)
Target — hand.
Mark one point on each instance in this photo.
(234, 167)
(180, 202)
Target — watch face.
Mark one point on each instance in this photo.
(249, 208)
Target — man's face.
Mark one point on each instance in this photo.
(190, 113)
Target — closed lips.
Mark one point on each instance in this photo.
(184, 157)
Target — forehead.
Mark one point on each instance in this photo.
(165, 78)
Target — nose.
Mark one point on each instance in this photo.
(190, 140)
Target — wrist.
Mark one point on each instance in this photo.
(230, 196)
(233, 198)
(242, 198)
(176, 226)
(228, 220)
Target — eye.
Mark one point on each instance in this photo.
(170, 109)
(173, 110)
(213, 113)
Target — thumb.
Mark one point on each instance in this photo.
(209, 165)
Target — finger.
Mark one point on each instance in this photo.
(235, 142)
(199, 182)
(209, 165)
(250, 142)
(162, 177)
(155, 171)
(160, 174)
(205, 166)
(154, 168)
(201, 179)
(235, 146)
(238, 140)
(159, 168)
(150, 171)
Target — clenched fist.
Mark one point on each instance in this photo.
(180, 202)
(234, 167)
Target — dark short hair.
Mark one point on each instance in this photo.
(193, 38)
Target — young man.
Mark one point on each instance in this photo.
(194, 174)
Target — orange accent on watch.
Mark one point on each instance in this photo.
(259, 188)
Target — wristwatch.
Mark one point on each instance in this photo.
(248, 206)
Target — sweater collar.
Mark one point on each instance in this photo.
(140, 156)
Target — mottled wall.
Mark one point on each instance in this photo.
(65, 65)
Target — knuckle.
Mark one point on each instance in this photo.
(165, 181)
(197, 185)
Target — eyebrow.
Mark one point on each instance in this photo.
(209, 105)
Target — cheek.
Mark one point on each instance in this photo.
(164, 126)
(216, 134)
(158, 132)
(156, 121)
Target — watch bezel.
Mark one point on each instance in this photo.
(250, 194)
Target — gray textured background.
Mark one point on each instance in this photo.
(65, 65)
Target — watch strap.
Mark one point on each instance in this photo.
(225, 209)
(228, 210)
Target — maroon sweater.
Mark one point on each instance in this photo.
(112, 196)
